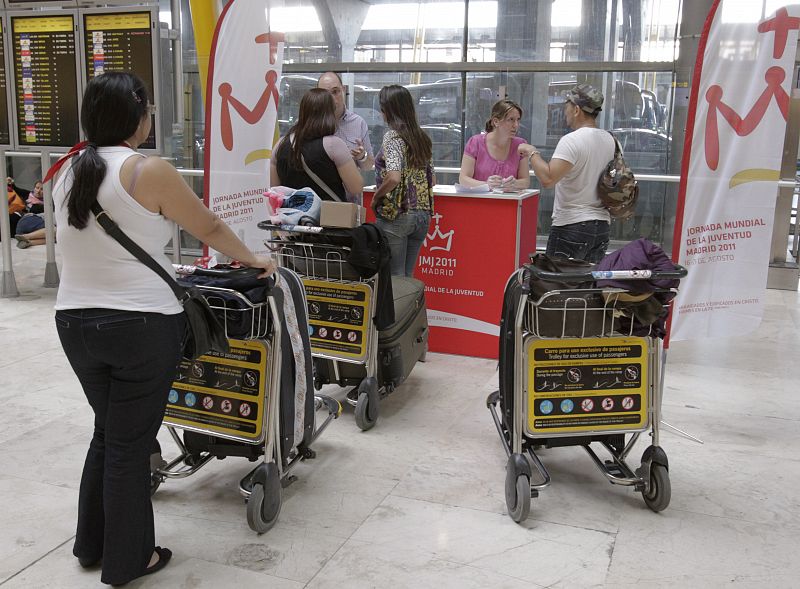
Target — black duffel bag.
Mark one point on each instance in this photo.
(566, 308)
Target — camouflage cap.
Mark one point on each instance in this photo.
(587, 97)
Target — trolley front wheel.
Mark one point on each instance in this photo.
(368, 405)
(659, 492)
(518, 498)
(156, 462)
(264, 503)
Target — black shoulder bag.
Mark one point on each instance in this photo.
(204, 332)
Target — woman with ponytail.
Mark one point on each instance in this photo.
(119, 323)
(403, 202)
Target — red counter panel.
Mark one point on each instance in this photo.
(474, 244)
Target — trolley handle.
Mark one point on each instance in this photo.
(676, 274)
(239, 273)
(267, 226)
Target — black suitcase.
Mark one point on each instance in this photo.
(403, 343)
(400, 346)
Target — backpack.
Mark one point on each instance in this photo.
(617, 188)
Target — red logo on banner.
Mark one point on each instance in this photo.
(742, 126)
(781, 24)
(251, 117)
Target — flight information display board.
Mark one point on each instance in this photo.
(45, 80)
(121, 41)
(5, 132)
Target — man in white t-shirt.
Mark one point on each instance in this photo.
(580, 227)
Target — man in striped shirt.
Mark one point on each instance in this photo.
(351, 128)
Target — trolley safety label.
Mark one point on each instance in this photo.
(222, 393)
(338, 318)
(591, 384)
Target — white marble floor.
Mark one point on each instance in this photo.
(418, 501)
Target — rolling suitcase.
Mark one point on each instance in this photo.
(404, 343)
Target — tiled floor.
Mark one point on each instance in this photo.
(419, 501)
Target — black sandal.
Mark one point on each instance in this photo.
(164, 554)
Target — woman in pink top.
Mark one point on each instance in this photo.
(491, 157)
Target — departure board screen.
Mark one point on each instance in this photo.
(121, 41)
(5, 133)
(46, 80)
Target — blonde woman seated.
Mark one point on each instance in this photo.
(491, 157)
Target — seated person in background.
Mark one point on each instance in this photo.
(16, 204)
(491, 157)
(35, 199)
(30, 230)
(311, 156)
(26, 240)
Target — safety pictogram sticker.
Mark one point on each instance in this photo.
(632, 372)
(337, 334)
(574, 375)
(190, 399)
(226, 406)
(323, 333)
(627, 403)
(173, 396)
(567, 406)
(352, 336)
(608, 404)
(198, 370)
(250, 378)
(587, 405)
(244, 409)
(208, 402)
(546, 407)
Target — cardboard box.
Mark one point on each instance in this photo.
(341, 214)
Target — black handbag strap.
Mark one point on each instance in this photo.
(110, 226)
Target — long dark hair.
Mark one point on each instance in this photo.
(316, 118)
(398, 108)
(114, 105)
(500, 111)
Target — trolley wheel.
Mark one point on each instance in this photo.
(156, 462)
(660, 491)
(368, 404)
(264, 503)
(365, 413)
(155, 483)
(518, 497)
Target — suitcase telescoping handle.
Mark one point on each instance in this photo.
(676, 274)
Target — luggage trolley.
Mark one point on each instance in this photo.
(576, 369)
(347, 348)
(243, 402)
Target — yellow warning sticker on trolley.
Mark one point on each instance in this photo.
(580, 385)
(222, 394)
(338, 318)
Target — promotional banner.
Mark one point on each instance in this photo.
(738, 113)
(241, 112)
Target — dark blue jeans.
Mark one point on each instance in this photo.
(126, 362)
(405, 235)
(587, 240)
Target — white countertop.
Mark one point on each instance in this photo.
(450, 190)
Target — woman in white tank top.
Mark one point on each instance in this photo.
(119, 323)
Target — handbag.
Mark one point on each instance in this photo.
(204, 332)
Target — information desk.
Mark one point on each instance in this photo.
(474, 243)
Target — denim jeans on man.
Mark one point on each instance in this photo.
(126, 362)
(405, 236)
(587, 240)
